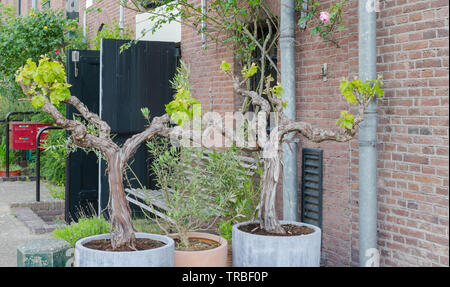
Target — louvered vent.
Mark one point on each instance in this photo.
(311, 196)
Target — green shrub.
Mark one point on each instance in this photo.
(85, 227)
(237, 190)
(53, 158)
(3, 152)
(56, 191)
(30, 36)
(219, 190)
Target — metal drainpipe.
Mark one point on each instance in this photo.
(121, 18)
(367, 168)
(204, 11)
(287, 46)
(84, 24)
(33, 4)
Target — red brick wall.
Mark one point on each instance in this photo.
(412, 39)
(413, 133)
(207, 79)
(320, 103)
(109, 11)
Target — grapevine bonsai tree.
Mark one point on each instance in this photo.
(356, 92)
(44, 84)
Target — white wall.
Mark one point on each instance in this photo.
(170, 32)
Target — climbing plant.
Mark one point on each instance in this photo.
(323, 22)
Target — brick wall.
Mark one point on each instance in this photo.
(320, 103)
(412, 40)
(27, 4)
(109, 11)
(207, 80)
(413, 133)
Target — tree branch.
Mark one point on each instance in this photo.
(157, 127)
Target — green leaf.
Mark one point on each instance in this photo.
(146, 113)
(225, 66)
(249, 72)
(38, 101)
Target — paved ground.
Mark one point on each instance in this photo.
(12, 231)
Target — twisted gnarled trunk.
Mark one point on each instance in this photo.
(272, 163)
(119, 208)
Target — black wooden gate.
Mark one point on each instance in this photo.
(123, 84)
(136, 78)
(81, 168)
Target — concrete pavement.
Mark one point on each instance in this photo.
(12, 231)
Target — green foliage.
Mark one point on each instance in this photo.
(30, 36)
(112, 32)
(57, 192)
(357, 92)
(225, 228)
(199, 191)
(323, 29)
(236, 190)
(145, 113)
(346, 120)
(53, 158)
(249, 72)
(225, 66)
(181, 78)
(182, 109)
(85, 227)
(13, 166)
(3, 153)
(191, 207)
(47, 79)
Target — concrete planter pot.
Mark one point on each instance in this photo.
(158, 257)
(216, 257)
(251, 250)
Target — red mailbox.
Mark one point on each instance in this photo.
(23, 135)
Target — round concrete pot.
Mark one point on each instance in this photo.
(158, 257)
(251, 250)
(216, 257)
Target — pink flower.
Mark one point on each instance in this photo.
(57, 52)
(325, 17)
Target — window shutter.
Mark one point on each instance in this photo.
(311, 195)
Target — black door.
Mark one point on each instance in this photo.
(116, 86)
(138, 77)
(82, 168)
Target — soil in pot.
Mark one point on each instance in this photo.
(291, 230)
(196, 244)
(141, 244)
